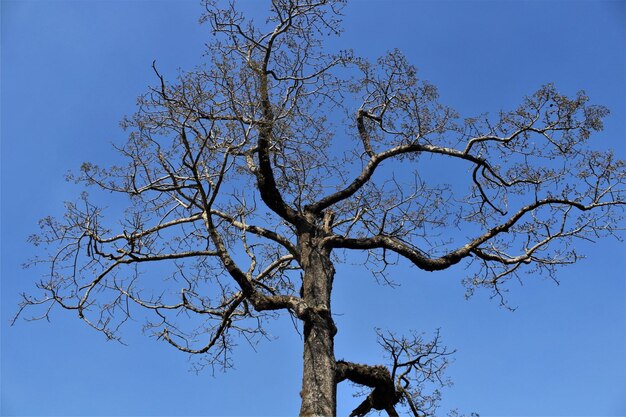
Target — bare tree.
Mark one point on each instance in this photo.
(247, 176)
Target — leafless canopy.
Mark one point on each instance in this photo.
(274, 149)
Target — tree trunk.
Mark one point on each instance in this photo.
(319, 388)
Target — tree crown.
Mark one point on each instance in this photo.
(238, 168)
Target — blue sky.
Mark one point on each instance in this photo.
(71, 70)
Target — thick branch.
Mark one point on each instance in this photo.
(426, 263)
(265, 174)
(384, 395)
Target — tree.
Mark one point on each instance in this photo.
(240, 180)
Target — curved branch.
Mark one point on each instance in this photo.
(384, 395)
(376, 159)
(419, 259)
(260, 231)
(223, 327)
(265, 174)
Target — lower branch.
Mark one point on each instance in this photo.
(416, 363)
(384, 395)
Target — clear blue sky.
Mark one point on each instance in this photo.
(71, 70)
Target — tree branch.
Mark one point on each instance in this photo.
(382, 397)
(422, 261)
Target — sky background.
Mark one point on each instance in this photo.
(71, 70)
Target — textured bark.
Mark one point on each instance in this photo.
(383, 397)
(319, 389)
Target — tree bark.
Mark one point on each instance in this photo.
(319, 388)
